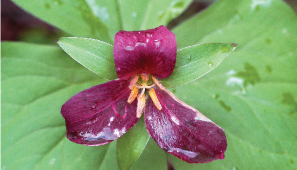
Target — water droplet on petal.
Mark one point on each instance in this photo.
(175, 120)
(148, 34)
(185, 152)
(140, 44)
(129, 48)
(158, 43)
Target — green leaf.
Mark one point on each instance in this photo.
(131, 145)
(36, 81)
(147, 14)
(76, 17)
(95, 55)
(195, 61)
(252, 95)
(102, 19)
(152, 157)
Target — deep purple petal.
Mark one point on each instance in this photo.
(183, 131)
(100, 114)
(151, 51)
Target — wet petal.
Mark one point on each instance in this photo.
(100, 114)
(183, 131)
(151, 51)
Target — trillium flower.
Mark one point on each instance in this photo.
(105, 112)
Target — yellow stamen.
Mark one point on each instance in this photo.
(154, 97)
(158, 83)
(133, 82)
(133, 94)
(140, 105)
(144, 77)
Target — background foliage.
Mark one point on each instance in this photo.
(252, 94)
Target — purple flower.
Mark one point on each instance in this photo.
(105, 112)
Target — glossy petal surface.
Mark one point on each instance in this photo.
(151, 51)
(100, 114)
(183, 131)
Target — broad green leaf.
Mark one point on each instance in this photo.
(102, 19)
(147, 14)
(77, 17)
(252, 95)
(36, 81)
(130, 145)
(195, 61)
(108, 12)
(95, 55)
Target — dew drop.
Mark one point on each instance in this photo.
(140, 44)
(58, 2)
(129, 48)
(189, 57)
(210, 64)
(148, 34)
(215, 96)
(161, 16)
(234, 168)
(52, 161)
(178, 5)
(158, 43)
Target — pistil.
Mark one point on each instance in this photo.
(140, 105)
(137, 84)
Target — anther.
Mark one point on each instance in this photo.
(133, 82)
(140, 105)
(154, 97)
(133, 94)
(158, 83)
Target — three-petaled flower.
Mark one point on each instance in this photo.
(105, 112)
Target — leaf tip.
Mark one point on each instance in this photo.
(59, 40)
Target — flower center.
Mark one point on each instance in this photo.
(138, 85)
